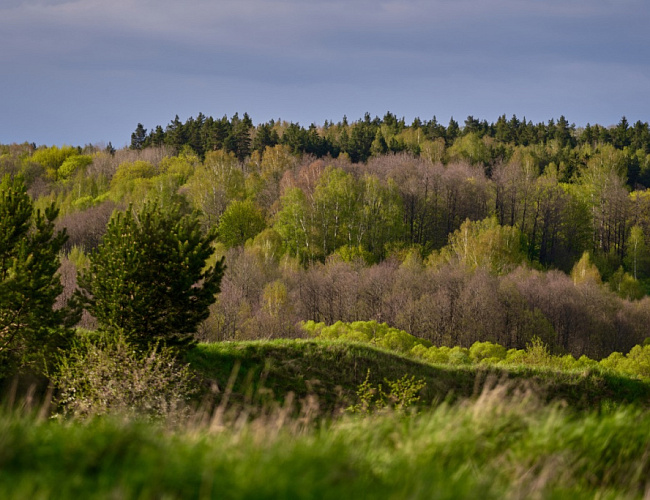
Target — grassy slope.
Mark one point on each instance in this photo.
(334, 370)
(498, 446)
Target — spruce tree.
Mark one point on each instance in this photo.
(30, 329)
(148, 277)
(139, 137)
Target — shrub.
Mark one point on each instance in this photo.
(402, 394)
(107, 375)
(487, 350)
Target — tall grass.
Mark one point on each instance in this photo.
(503, 444)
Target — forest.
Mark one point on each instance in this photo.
(239, 280)
(536, 230)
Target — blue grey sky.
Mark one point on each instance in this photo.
(87, 71)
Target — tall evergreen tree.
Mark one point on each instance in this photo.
(139, 137)
(148, 277)
(30, 329)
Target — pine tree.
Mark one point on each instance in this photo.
(139, 137)
(148, 277)
(30, 329)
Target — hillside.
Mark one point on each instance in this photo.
(332, 371)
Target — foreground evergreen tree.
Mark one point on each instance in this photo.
(30, 329)
(148, 277)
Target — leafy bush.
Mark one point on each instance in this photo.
(379, 334)
(482, 351)
(106, 375)
(402, 393)
(636, 362)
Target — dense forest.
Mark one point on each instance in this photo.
(483, 232)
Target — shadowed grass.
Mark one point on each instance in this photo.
(333, 370)
(502, 444)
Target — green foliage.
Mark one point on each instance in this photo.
(52, 158)
(537, 353)
(130, 171)
(378, 334)
(73, 164)
(148, 277)
(30, 329)
(487, 244)
(268, 244)
(182, 166)
(625, 285)
(106, 375)
(343, 212)
(456, 356)
(486, 351)
(241, 221)
(471, 148)
(292, 224)
(402, 394)
(585, 271)
(215, 184)
(349, 253)
(637, 259)
(636, 362)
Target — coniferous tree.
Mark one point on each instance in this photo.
(148, 277)
(30, 329)
(139, 137)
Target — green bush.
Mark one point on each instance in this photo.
(379, 334)
(402, 393)
(480, 351)
(104, 374)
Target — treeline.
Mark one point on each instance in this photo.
(444, 302)
(328, 239)
(317, 207)
(555, 142)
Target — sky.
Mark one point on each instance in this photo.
(82, 72)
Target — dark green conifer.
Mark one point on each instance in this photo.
(148, 277)
(30, 329)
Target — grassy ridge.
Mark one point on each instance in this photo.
(333, 370)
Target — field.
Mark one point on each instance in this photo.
(478, 432)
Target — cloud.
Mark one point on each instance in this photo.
(456, 54)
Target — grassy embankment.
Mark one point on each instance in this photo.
(333, 370)
(506, 441)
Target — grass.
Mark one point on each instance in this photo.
(333, 370)
(495, 446)
(492, 433)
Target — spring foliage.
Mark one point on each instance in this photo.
(107, 375)
(636, 363)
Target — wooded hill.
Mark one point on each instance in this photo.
(454, 234)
